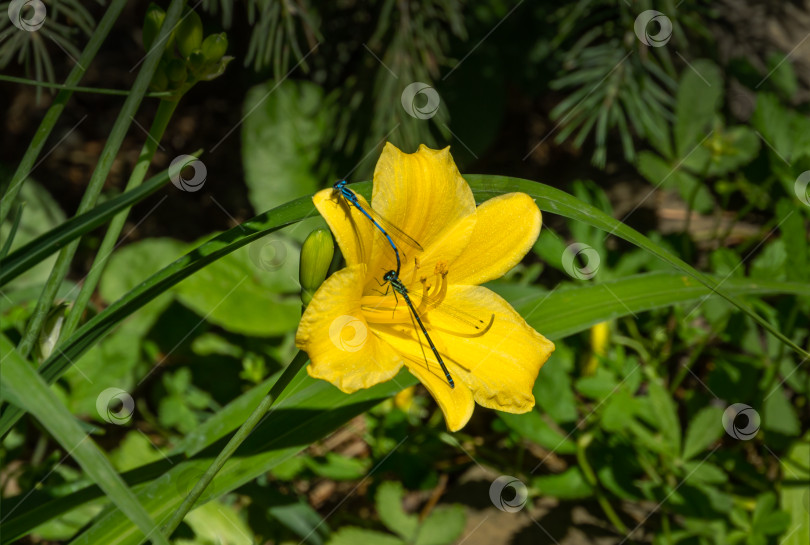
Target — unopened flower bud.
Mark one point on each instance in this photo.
(50, 331)
(214, 46)
(176, 72)
(151, 25)
(189, 33)
(316, 257)
(196, 61)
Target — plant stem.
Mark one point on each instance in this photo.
(239, 437)
(52, 116)
(80, 89)
(103, 167)
(590, 476)
(693, 357)
(159, 124)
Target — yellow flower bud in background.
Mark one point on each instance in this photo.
(151, 25)
(316, 257)
(600, 334)
(189, 33)
(404, 399)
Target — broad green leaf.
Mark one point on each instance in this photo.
(25, 388)
(338, 467)
(134, 451)
(767, 519)
(659, 172)
(244, 294)
(49, 242)
(532, 427)
(603, 383)
(725, 151)
(282, 137)
(665, 415)
(781, 74)
(216, 523)
(41, 215)
(700, 92)
(705, 428)
(739, 146)
(794, 493)
(620, 408)
(568, 485)
(703, 472)
(443, 526)
(129, 265)
(794, 236)
(779, 415)
(553, 393)
(784, 130)
(770, 264)
(350, 535)
(302, 519)
(389, 507)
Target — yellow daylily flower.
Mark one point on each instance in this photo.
(357, 337)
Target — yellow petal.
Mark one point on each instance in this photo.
(499, 366)
(424, 195)
(352, 230)
(506, 227)
(342, 347)
(456, 403)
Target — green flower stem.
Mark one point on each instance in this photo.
(694, 354)
(51, 117)
(159, 124)
(590, 476)
(80, 89)
(239, 437)
(93, 190)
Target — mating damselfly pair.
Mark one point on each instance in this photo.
(472, 325)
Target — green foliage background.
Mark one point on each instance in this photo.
(657, 333)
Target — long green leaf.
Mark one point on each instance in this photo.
(58, 105)
(559, 202)
(309, 410)
(574, 309)
(548, 198)
(91, 193)
(556, 314)
(25, 257)
(24, 387)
